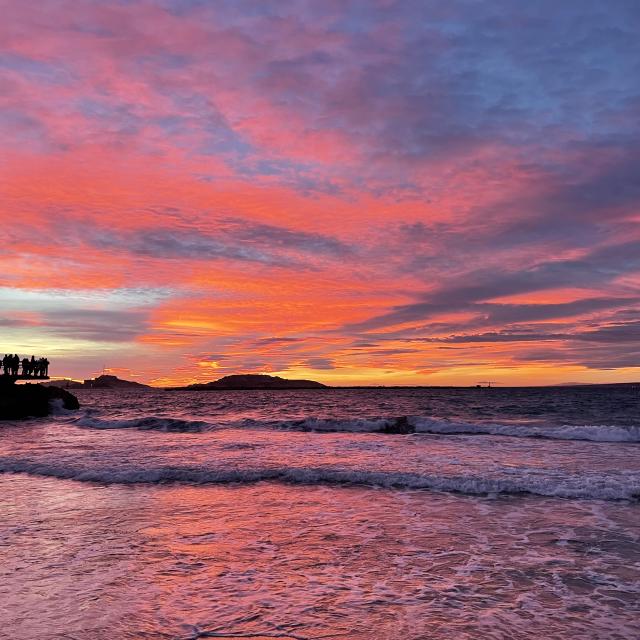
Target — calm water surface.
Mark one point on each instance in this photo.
(507, 514)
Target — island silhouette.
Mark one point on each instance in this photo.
(101, 382)
(245, 382)
(252, 381)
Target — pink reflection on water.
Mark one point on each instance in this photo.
(311, 562)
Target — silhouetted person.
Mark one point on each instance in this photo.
(32, 366)
(15, 364)
(25, 367)
(45, 367)
(5, 364)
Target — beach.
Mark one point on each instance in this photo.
(216, 514)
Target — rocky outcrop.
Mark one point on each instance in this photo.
(399, 425)
(18, 401)
(112, 382)
(255, 382)
(101, 382)
(64, 383)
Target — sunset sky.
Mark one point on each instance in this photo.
(357, 192)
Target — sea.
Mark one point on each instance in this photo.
(502, 514)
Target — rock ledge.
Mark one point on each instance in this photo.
(19, 401)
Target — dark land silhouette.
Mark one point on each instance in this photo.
(253, 382)
(111, 382)
(19, 401)
(101, 382)
(232, 382)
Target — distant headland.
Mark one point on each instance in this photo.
(258, 382)
(237, 382)
(247, 382)
(101, 382)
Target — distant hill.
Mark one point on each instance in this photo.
(255, 381)
(65, 383)
(101, 382)
(112, 382)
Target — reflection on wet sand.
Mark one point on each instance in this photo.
(277, 561)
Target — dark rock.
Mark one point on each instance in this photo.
(101, 382)
(32, 400)
(69, 401)
(64, 383)
(399, 425)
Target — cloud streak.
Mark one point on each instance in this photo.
(351, 191)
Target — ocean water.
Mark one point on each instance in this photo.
(507, 513)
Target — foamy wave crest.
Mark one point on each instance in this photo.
(610, 486)
(594, 433)
(424, 424)
(56, 406)
(399, 425)
(147, 423)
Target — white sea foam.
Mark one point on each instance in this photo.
(417, 424)
(601, 486)
(56, 406)
(594, 433)
(424, 424)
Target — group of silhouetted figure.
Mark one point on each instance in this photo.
(31, 368)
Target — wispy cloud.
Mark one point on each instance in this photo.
(350, 188)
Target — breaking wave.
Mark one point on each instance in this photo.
(594, 433)
(147, 423)
(605, 486)
(399, 425)
(415, 424)
(353, 425)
